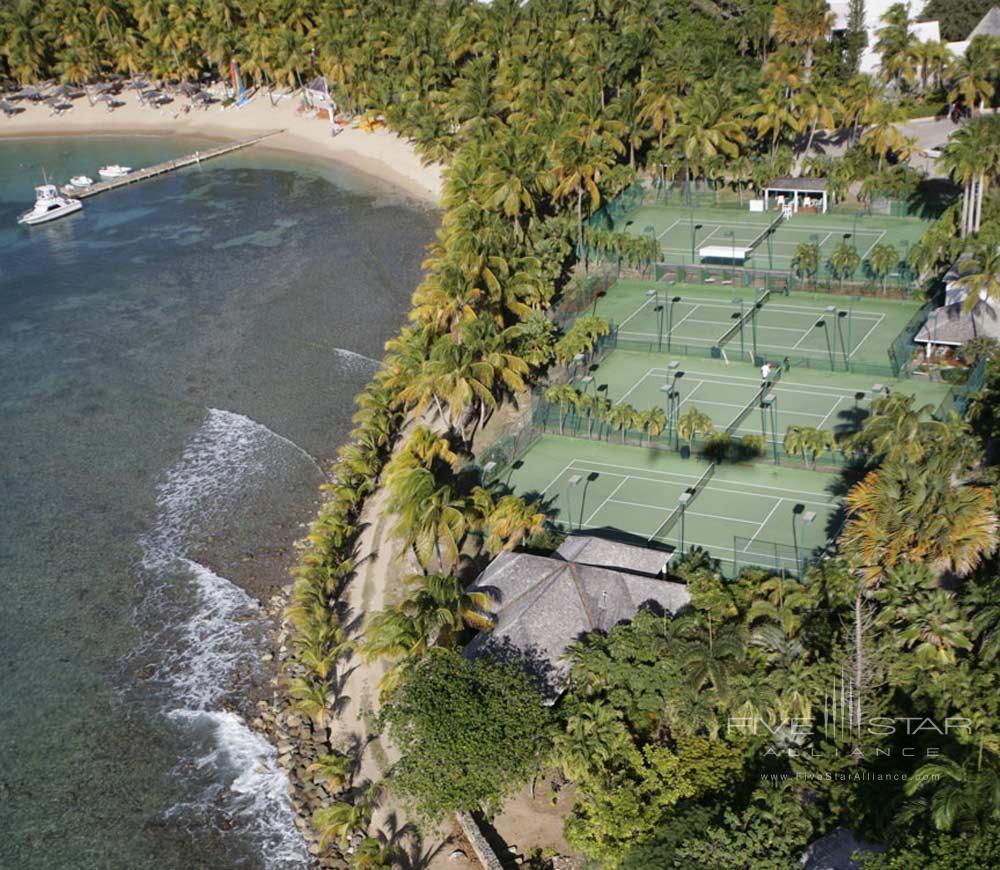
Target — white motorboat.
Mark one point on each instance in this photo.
(49, 205)
(114, 171)
(81, 181)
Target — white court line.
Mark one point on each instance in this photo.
(731, 380)
(777, 504)
(864, 338)
(603, 503)
(636, 312)
(714, 231)
(668, 229)
(881, 236)
(827, 417)
(690, 513)
(685, 317)
(755, 486)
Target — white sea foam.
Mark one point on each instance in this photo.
(255, 789)
(358, 360)
(202, 632)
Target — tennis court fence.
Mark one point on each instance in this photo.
(704, 351)
(783, 559)
(591, 423)
(958, 398)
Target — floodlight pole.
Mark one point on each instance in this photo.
(743, 349)
(841, 314)
(670, 318)
(774, 424)
(821, 324)
(753, 330)
(659, 327)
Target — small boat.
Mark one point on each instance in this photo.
(114, 171)
(49, 205)
(81, 181)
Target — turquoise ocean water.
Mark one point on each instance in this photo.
(173, 362)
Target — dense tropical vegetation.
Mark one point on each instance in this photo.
(542, 112)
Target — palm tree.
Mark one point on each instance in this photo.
(564, 396)
(844, 261)
(507, 522)
(711, 660)
(935, 627)
(882, 260)
(773, 115)
(975, 72)
(899, 432)
(901, 514)
(972, 156)
(962, 794)
(984, 282)
(653, 421)
(577, 170)
(882, 135)
(373, 853)
(622, 417)
(894, 42)
(342, 820)
(802, 22)
(334, 769)
(816, 107)
(806, 260)
(691, 423)
(707, 128)
(809, 441)
(859, 98)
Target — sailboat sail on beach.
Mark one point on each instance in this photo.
(239, 92)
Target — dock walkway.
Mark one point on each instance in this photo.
(163, 168)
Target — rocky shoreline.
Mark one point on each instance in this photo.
(299, 741)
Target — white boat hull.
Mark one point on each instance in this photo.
(114, 171)
(34, 217)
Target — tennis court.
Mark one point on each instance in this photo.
(728, 394)
(683, 232)
(829, 329)
(740, 514)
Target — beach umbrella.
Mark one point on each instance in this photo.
(138, 83)
(8, 108)
(189, 89)
(105, 87)
(151, 94)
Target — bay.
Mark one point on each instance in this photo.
(174, 360)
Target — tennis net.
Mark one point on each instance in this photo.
(675, 515)
(741, 322)
(745, 412)
(770, 228)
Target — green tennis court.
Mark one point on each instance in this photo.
(835, 401)
(687, 319)
(682, 232)
(743, 514)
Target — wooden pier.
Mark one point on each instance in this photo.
(163, 168)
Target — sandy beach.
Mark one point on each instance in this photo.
(381, 153)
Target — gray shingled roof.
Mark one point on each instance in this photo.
(543, 605)
(989, 24)
(602, 553)
(952, 326)
(799, 182)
